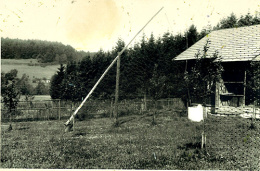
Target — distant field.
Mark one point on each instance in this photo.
(37, 97)
(18, 61)
(32, 71)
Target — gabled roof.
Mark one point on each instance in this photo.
(235, 44)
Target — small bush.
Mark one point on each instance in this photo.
(253, 126)
(105, 115)
(153, 122)
(80, 116)
(176, 118)
(183, 113)
(83, 115)
(116, 124)
(124, 112)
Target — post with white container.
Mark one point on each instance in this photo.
(197, 114)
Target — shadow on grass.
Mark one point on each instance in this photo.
(190, 145)
(77, 134)
(23, 128)
(121, 121)
(33, 119)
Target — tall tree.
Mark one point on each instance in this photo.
(232, 21)
(253, 87)
(9, 90)
(122, 69)
(56, 89)
(129, 83)
(248, 20)
(192, 35)
(24, 85)
(70, 83)
(253, 83)
(157, 88)
(202, 77)
(106, 87)
(229, 22)
(41, 89)
(85, 75)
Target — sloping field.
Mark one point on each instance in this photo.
(172, 143)
(18, 61)
(32, 71)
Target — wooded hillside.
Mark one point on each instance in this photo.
(43, 51)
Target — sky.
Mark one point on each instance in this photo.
(91, 25)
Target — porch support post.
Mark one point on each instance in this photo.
(217, 98)
(244, 97)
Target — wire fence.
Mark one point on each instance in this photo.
(57, 109)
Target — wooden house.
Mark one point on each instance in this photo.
(237, 48)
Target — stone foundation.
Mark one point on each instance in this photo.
(229, 110)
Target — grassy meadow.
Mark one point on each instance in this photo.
(37, 97)
(173, 142)
(29, 67)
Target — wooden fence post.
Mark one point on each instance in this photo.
(37, 114)
(203, 135)
(49, 112)
(73, 126)
(59, 109)
(203, 140)
(254, 112)
(46, 111)
(28, 106)
(142, 106)
(111, 108)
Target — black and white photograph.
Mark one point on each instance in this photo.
(130, 84)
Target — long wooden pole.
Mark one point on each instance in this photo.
(117, 87)
(0, 137)
(108, 68)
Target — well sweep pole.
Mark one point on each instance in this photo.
(108, 68)
(117, 88)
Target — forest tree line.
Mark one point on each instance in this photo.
(43, 51)
(146, 69)
(146, 62)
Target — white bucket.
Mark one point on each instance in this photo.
(195, 113)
